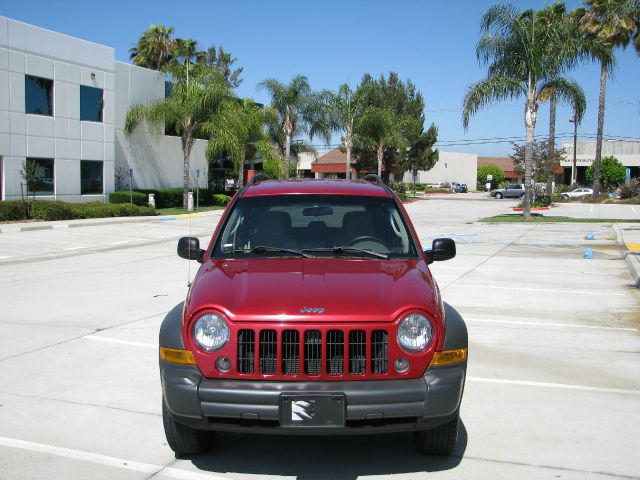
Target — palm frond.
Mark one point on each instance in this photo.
(488, 91)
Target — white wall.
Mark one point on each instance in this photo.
(627, 153)
(69, 62)
(157, 160)
(451, 167)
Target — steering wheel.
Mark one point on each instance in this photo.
(366, 238)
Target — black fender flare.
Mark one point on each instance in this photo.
(455, 333)
(171, 328)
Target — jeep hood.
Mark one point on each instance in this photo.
(326, 289)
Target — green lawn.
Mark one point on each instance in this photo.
(181, 211)
(539, 218)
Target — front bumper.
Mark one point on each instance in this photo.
(371, 406)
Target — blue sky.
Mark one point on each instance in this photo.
(431, 42)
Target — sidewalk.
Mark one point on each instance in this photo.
(628, 235)
(90, 222)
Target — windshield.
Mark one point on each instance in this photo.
(315, 226)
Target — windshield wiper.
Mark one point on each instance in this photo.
(346, 249)
(264, 249)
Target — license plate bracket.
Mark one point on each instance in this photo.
(314, 411)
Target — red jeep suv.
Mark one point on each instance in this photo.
(313, 312)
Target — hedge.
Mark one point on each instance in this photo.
(56, 210)
(123, 196)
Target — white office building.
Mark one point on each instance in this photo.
(63, 102)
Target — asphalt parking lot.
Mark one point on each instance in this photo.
(553, 387)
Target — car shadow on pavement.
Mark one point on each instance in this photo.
(345, 457)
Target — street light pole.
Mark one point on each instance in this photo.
(574, 167)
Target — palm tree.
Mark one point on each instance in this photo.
(345, 108)
(514, 44)
(154, 47)
(239, 126)
(190, 106)
(300, 111)
(379, 129)
(608, 24)
(564, 48)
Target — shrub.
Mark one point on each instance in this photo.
(168, 197)
(398, 187)
(220, 199)
(55, 210)
(630, 190)
(122, 196)
(564, 188)
(14, 210)
(497, 172)
(612, 173)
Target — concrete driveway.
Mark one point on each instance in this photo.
(553, 388)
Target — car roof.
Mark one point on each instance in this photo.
(316, 187)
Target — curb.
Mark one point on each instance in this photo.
(631, 258)
(64, 224)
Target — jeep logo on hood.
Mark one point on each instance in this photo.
(312, 310)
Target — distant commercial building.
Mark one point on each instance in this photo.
(63, 103)
(451, 167)
(627, 153)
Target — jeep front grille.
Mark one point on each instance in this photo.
(283, 352)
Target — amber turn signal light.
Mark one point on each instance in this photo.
(447, 357)
(173, 355)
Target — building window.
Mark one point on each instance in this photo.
(38, 175)
(91, 177)
(91, 104)
(38, 95)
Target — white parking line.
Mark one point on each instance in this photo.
(554, 385)
(74, 248)
(121, 342)
(573, 272)
(3, 257)
(106, 460)
(560, 325)
(527, 289)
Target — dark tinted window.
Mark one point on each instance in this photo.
(91, 177)
(38, 173)
(38, 95)
(318, 223)
(91, 104)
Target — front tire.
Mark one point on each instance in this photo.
(499, 196)
(182, 439)
(440, 440)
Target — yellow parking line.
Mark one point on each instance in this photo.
(633, 247)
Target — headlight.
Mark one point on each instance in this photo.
(415, 332)
(211, 332)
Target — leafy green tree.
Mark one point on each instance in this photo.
(486, 170)
(346, 107)
(608, 24)
(378, 129)
(545, 160)
(189, 107)
(300, 111)
(514, 45)
(222, 62)
(612, 173)
(154, 48)
(409, 145)
(237, 128)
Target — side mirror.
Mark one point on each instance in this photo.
(442, 249)
(189, 248)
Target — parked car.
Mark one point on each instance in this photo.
(513, 190)
(578, 192)
(460, 188)
(275, 336)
